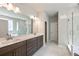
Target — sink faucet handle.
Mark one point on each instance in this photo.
(9, 36)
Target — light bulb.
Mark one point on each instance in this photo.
(32, 17)
(17, 10)
(10, 6)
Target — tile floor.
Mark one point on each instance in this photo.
(52, 49)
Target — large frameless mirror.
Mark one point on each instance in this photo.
(14, 24)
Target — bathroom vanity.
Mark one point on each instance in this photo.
(16, 34)
(21, 46)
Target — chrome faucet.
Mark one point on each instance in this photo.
(9, 36)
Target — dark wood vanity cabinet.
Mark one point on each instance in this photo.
(34, 44)
(18, 49)
(24, 48)
(40, 41)
(31, 46)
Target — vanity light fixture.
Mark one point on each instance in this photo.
(34, 17)
(10, 6)
(17, 10)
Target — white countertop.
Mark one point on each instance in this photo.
(4, 42)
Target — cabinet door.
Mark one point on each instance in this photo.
(40, 41)
(31, 46)
(10, 53)
(34, 45)
(20, 51)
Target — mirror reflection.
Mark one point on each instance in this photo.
(19, 27)
(15, 26)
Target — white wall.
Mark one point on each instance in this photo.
(65, 27)
(3, 28)
(44, 17)
(39, 25)
(54, 28)
(62, 28)
(68, 27)
(76, 27)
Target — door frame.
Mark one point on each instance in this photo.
(45, 32)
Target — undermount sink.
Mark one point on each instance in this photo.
(4, 41)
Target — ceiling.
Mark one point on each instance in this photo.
(49, 8)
